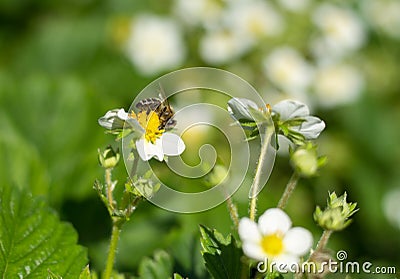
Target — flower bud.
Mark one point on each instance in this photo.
(109, 158)
(336, 215)
(305, 160)
(216, 176)
(142, 186)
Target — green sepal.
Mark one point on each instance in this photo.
(99, 187)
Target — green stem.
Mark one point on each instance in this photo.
(116, 229)
(134, 166)
(257, 177)
(233, 212)
(291, 185)
(109, 188)
(323, 241)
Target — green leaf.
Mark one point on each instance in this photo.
(177, 276)
(86, 274)
(34, 243)
(158, 268)
(274, 275)
(221, 255)
(51, 275)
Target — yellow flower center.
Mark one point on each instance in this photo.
(272, 244)
(150, 123)
(256, 27)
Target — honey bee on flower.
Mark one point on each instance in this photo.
(153, 121)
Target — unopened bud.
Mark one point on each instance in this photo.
(109, 158)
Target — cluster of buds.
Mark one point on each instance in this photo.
(143, 187)
(136, 188)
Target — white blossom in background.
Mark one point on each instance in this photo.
(221, 46)
(254, 19)
(154, 44)
(198, 12)
(391, 207)
(383, 15)
(337, 84)
(286, 68)
(294, 5)
(342, 30)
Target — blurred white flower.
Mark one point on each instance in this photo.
(337, 84)
(221, 46)
(286, 68)
(294, 5)
(254, 19)
(383, 15)
(342, 30)
(273, 239)
(391, 207)
(198, 12)
(154, 44)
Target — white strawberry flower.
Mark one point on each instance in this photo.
(153, 142)
(289, 112)
(273, 239)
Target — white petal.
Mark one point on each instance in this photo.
(254, 251)
(172, 145)
(239, 108)
(289, 109)
(286, 262)
(140, 147)
(122, 114)
(111, 120)
(248, 230)
(156, 149)
(274, 220)
(147, 150)
(298, 241)
(111, 113)
(311, 127)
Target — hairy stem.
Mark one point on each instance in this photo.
(290, 186)
(116, 229)
(323, 241)
(109, 188)
(233, 212)
(257, 177)
(134, 166)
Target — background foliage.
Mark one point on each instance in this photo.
(62, 65)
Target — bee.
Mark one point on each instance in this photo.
(161, 107)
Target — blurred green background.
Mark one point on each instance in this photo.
(64, 64)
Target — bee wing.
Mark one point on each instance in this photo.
(162, 96)
(149, 104)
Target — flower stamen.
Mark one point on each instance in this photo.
(272, 244)
(151, 123)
